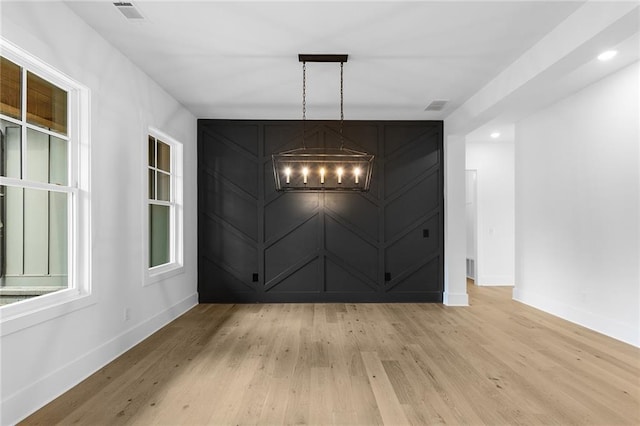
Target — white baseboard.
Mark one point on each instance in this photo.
(455, 299)
(607, 326)
(21, 404)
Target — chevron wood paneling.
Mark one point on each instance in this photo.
(259, 245)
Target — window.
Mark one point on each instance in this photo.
(43, 184)
(164, 170)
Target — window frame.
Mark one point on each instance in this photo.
(78, 294)
(175, 266)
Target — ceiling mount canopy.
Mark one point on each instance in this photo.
(322, 58)
(321, 168)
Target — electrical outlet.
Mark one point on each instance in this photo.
(127, 314)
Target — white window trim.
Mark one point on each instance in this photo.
(176, 265)
(23, 314)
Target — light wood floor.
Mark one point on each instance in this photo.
(496, 362)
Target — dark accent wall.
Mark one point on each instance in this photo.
(259, 245)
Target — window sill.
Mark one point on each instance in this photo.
(161, 273)
(27, 313)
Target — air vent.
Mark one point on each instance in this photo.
(128, 10)
(471, 269)
(436, 105)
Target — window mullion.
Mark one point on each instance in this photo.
(155, 166)
(172, 233)
(23, 128)
(13, 120)
(23, 123)
(172, 209)
(29, 184)
(161, 203)
(46, 131)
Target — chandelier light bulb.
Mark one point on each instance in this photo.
(305, 173)
(356, 173)
(339, 171)
(322, 175)
(287, 173)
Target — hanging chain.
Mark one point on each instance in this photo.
(341, 104)
(304, 101)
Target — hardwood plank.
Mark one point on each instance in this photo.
(495, 362)
(386, 398)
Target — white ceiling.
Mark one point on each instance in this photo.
(239, 59)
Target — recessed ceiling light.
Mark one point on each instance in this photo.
(605, 56)
(495, 135)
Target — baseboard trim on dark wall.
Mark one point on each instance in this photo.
(259, 245)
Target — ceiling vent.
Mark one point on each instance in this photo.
(128, 10)
(436, 105)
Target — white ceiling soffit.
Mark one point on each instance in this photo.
(239, 59)
(561, 63)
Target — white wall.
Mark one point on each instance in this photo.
(495, 204)
(578, 207)
(43, 360)
(455, 282)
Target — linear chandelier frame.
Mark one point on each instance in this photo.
(322, 169)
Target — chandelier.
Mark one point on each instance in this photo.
(322, 169)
